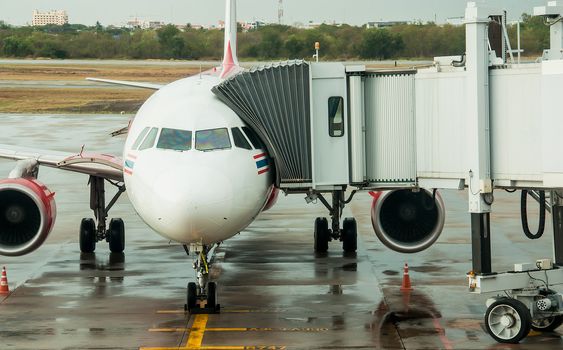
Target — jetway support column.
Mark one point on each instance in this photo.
(478, 154)
(557, 214)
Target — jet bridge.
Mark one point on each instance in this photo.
(327, 125)
(480, 122)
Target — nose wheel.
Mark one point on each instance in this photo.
(202, 294)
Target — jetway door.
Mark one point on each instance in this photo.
(390, 128)
(329, 110)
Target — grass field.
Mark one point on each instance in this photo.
(89, 99)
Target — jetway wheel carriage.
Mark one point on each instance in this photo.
(524, 302)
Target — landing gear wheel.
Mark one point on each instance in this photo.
(116, 236)
(547, 324)
(508, 321)
(349, 235)
(192, 297)
(322, 235)
(211, 295)
(87, 237)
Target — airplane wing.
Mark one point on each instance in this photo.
(128, 83)
(100, 165)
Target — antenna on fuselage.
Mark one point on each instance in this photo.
(230, 59)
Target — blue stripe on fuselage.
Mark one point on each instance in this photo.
(262, 163)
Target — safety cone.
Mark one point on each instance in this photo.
(406, 279)
(4, 289)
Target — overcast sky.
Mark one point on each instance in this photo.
(18, 12)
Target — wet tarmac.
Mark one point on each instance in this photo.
(275, 293)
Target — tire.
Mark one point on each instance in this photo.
(321, 235)
(349, 235)
(87, 238)
(211, 295)
(116, 236)
(508, 321)
(547, 324)
(192, 296)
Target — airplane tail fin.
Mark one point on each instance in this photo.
(230, 59)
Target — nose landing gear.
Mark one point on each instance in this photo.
(202, 294)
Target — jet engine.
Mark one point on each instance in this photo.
(27, 215)
(407, 221)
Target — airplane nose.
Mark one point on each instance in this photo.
(193, 201)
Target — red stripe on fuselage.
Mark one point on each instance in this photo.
(263, 171)
(259, 155)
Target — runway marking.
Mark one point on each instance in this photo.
(228, 311)
(224, 347)
(197, 331)
(171, 312)
(199, 327)
(241, 329)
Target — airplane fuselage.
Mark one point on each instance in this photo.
(188, 173)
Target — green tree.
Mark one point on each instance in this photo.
(168, 38)
(17, 47)
(380, 44)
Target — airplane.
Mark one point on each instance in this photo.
(197, 175)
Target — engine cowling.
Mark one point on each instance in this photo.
(407, 221)
(27, 215)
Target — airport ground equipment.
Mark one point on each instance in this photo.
(478, 122)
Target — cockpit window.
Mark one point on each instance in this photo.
(210, 140)
(239, 139)
(149, 140)
(174, 139)
(253, 137)
(140, 138)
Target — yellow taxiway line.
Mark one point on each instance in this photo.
(245, 329)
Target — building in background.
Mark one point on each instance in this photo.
(385, 24)
(58, 17)
(142, 24)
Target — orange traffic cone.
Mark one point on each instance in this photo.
(406, 279)
(4, 283)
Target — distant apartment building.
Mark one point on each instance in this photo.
(137, 23)
(58, 17)
(385, 24)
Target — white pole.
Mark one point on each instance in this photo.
(518, 34)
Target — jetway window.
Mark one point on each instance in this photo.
(211, 140)
(239, 139)
(253, 137)
(149, 140)
(140, 138)
(336, 116)
(174, 139)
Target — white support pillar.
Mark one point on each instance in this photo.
(553, 12)
(478, 123)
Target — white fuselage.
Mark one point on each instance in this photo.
(199, 194)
